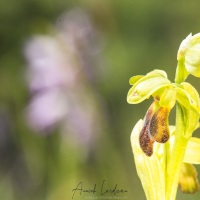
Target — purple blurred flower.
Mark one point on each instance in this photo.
(47, 109)
(50, 64)
(59, 77)
(82, 38)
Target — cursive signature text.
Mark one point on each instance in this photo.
(79, 189)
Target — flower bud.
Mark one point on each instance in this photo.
(189, 54)
(188, 180)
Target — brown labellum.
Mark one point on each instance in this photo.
(146, 143)
(145, 140)
(158, 127)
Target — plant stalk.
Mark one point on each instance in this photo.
(177, 156)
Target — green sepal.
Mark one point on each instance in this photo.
(192, 60)
(185, 44)
(188, 97)
(188, 55)
(149, 169)
(134, 79)
(195, 39)
(157, 72)
(192, 154)
(146, 86)
(168, 98)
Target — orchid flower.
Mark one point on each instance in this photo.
(164, 154)
(56, 62)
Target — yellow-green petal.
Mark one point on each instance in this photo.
(188, 180)
(195, 39)
(188, 97)
(168, 98)
(192, 154)
(192, 60)
(157, 72)
(149, 169)
(189, 54)
(145, 87)
(185, 44)
(134, 79)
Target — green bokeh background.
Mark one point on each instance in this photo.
(138, 36)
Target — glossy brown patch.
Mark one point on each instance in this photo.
(146, 143)
(158, 127)
(145, 140)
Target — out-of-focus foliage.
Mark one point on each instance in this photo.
(134, 37)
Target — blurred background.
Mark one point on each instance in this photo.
(64, 71)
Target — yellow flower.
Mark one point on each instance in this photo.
(164, 155)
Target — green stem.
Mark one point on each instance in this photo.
(177, 155)
(181, 73)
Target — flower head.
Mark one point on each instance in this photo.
(165, 94)
(164, 154)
